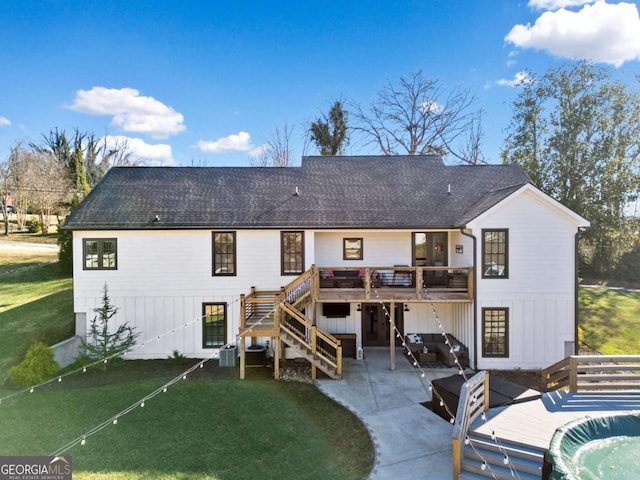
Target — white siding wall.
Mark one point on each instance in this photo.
(540, 289)
(379, 248)
(163, 277)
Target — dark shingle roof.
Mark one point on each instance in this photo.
(334, 192)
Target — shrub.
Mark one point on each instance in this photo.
(38, 365)
(34, 226)
(177, 358)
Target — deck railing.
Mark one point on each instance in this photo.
(473, 402)
(579, 373)
(260, 307)
(421, 280)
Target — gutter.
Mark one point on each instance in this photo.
(475, 296)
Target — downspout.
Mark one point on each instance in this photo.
(576, 344)
(475, 298)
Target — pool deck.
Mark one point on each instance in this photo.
(533, 423)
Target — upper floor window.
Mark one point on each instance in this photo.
(224, 253)
(292, 248)
(99, 253)
(495, 261)
(352, 248)
(495, 332)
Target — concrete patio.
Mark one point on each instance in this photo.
(410, 441)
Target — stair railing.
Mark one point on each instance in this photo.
(321, 344)
(473, 402)
(299, 291)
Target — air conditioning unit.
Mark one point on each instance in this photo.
(227, 356)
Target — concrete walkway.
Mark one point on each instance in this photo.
(410, 441)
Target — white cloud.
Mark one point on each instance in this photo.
(131, 111)
(5, 122)
(240, 142)
(142, 152)
(259, 150)
(556, 4)
(601, 32)
(431, 107)
(519, 78)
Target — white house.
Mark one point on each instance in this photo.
(367, 247)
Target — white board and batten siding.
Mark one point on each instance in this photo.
(164, 277)
(540, 289)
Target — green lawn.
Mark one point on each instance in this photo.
(210, 426)
(610, 320)
(36, 303)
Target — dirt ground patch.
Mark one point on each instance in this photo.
(526, 378)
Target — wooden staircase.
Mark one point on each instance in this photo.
(279, 314)
(477, 456)
(501, 460)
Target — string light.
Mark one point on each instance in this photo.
(105, 360)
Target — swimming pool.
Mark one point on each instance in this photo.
(596, 448)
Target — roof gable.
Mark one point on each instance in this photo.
(511, 194)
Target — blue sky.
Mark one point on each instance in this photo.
(208, 82)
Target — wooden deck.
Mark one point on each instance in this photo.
(391, 294)
(533, 423)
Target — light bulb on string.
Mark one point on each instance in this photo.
(83, 441)
(115, 421)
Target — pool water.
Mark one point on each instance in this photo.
(613, 458)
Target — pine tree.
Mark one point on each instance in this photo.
(104, 343)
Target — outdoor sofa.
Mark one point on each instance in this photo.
(435, 343)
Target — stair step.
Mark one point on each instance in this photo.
(477, 436)
(472, 476)
(513, 450)
(497, 472)
(522, 465)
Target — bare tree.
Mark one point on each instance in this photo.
(14, 175)
(4, 194)
(470, 149)
(417, 116)
(39, 183)
(276, 152)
